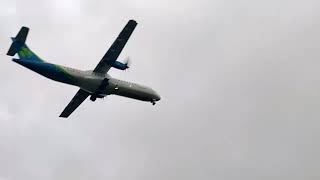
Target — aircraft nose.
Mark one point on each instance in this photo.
(157, 97)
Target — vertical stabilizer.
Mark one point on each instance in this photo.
(19, 47)
(18, 41)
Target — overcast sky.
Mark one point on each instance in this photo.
(239, 81)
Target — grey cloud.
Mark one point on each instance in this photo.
(238, 80)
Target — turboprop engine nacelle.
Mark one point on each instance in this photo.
(120, 65)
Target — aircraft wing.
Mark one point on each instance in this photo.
(114, 51)
(74, 103)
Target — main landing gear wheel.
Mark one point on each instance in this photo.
(93, 98)
(153, 103)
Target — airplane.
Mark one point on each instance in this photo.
(95, 83)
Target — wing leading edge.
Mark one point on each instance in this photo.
(114, 51)
(74, 103)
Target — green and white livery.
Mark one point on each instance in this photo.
(96, 83)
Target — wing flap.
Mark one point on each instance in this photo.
(80, 96)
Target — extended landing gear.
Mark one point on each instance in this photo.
(93, 98)
(101, 88)
(153, 103)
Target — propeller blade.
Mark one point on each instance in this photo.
(128, 62)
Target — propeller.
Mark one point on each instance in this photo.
(128, 62)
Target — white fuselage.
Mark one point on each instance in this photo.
(90, 82)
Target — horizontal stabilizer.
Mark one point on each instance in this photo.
(12, 51)
(18, 41)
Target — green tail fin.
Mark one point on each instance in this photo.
(26, 54)
(19, 46)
